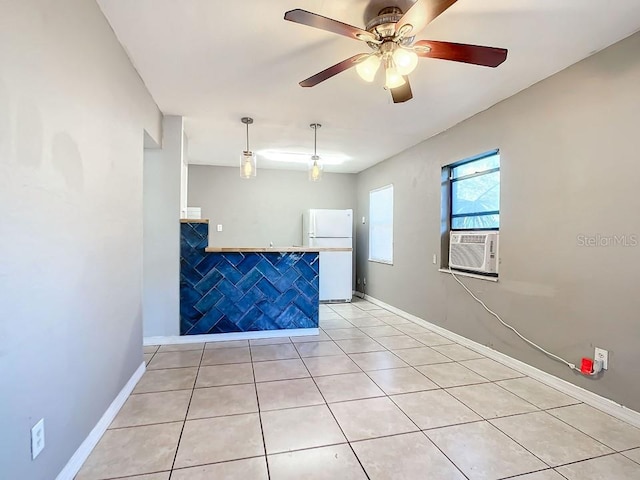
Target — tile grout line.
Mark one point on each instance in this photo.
(336, 420)
(186, 414)
(494, 426)
(546, 410)
(614, 451)
(483, 419)
(496, 382)
(610, 454)
(419, 430)
(521, 475)
(629, 450)
(220, 462)
(255, 388)
(488, 420)
(584, 433)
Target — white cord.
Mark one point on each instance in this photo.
(555, 357)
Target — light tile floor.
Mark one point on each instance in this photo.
(374, 396)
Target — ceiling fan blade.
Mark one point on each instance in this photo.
(402, 93)
(323, 23)
(460, 52)
(333, 70)
(421, 14)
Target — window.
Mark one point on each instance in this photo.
(381, 225)
(475, 193)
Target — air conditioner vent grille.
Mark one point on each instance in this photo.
(466, 254)
(473, 238)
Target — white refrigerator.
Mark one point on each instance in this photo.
(331, 228)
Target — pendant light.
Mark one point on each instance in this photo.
(247, 158)
(315, 164)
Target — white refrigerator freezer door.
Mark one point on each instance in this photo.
(330, 223)
(336, 270)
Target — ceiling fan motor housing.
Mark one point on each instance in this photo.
(384, 25)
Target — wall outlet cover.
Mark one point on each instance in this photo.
(219, 228)
(37, 439)
(603, 355)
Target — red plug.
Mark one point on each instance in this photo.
(587, 366)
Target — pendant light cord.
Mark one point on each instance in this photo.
(247, 136)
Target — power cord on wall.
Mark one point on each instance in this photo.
(572, 366)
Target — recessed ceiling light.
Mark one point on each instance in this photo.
(301, 158)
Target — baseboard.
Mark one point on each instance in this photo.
(74, 464)
(608, 406)
(223, 337)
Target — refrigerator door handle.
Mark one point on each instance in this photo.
(312, 224)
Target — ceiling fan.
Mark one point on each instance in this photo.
(391, 36)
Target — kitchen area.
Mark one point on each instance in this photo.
(252, 291)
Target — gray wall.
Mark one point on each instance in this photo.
(161, 243)
(570, 166)
(72, 117)
(265, 209)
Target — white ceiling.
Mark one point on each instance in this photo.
(214, 62)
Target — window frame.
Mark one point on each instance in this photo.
(371, 224)
(451, 182)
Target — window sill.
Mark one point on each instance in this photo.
(467, 274)
(383, 262)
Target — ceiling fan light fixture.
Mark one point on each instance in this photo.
(368, 68)
(406, 60)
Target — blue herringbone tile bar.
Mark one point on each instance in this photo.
(242, 292)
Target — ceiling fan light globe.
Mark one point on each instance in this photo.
(368, 68)
(405, 60)
(393, 78)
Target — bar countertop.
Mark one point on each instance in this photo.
(275, 249)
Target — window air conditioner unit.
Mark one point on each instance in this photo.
(474, 251)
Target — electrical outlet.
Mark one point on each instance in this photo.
(364, 280)
(219, 227)
(37, 439)
(435, 259)
(603, 355)
(363, 220)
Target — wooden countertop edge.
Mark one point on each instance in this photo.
(276, 249)
(194, 220)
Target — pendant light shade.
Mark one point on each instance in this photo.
(315, 163)
(248, 167)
